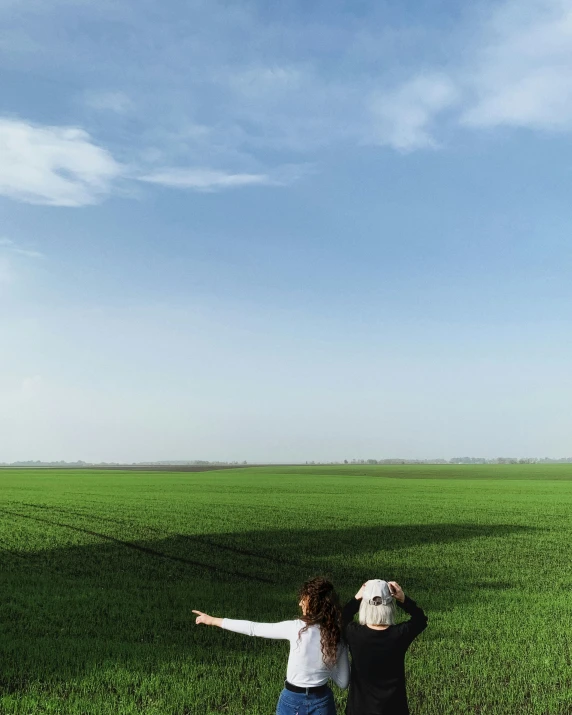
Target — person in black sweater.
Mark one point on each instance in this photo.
(378, 646)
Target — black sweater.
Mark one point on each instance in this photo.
(377, 680)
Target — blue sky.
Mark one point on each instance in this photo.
(293, 231)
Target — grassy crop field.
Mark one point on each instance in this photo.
(100, 571)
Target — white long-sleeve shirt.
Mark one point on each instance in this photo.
(306, 667)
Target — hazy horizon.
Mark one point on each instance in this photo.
(386, 461)
(311, 231)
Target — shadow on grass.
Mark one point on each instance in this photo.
(126, 599)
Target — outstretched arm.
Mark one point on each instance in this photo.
(279, 631)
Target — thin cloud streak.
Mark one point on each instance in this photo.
(204, 179)
(28, 254)
(9, 245)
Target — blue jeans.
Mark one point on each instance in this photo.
(291, 703)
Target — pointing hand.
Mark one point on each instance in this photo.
(205, 619)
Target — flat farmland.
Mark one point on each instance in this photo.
(99, 572)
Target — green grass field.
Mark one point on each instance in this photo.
(100, 572)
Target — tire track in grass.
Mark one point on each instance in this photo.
(138, 547)
(186, 537)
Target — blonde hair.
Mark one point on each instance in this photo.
(376, 615)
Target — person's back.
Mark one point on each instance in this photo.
(306, 651)
(377, 679)
(306, 666)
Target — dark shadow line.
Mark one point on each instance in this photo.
(187, 537)
(31, 563)
(142, 549)
(6, 550)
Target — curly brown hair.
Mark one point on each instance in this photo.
(323, 609)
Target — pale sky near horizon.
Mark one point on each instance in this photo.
(285, 232)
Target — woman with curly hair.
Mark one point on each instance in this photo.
(316, 649)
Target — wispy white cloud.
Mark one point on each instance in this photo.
(28, 253)
(201, 179)
(517, 71)
(62, 166)
(12, 247)
(206, 179)
(109, 101)
(402, 118)
(57, 166)
(522, 73)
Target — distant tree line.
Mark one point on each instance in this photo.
(202, 462)
(466, 460)
(81, 463)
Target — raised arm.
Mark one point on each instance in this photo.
(279, 631)
(418, 621)
(349, 611)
